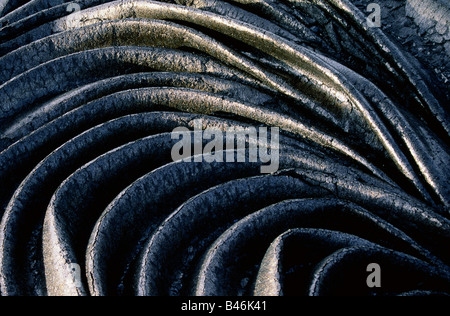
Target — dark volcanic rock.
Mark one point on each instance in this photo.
(98, 98)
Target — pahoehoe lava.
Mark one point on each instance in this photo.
(88, 102)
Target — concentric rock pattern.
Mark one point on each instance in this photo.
(88, 101)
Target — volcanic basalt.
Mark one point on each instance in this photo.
(88, 101)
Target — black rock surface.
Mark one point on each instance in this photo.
(93, 203)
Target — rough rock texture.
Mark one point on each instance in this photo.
(92, 202)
